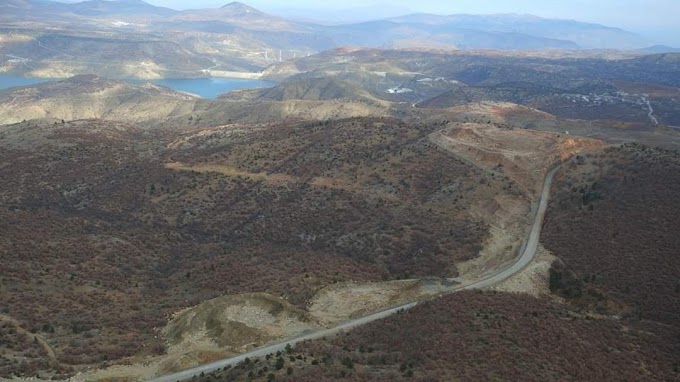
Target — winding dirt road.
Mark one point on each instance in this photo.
(651, 116)
(530, 246)
(527, 254)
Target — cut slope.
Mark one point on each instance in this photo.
(235, 323)
(524, 155)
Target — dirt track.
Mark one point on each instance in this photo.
(40, 339)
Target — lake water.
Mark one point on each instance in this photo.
(12, 81)
(204, 87)
(208, 87)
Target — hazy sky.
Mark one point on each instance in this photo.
(655, 18)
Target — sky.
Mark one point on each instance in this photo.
(657, 19)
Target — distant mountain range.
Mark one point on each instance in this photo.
(660, 49)
(48, 38)
(578, 34)
(502, 31)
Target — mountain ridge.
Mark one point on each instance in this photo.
(440, 29)
(239, 38)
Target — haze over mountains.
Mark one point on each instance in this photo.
(131, 38)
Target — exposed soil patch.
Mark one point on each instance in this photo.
(236, 323)
(523, 155)
(533, 280)
(340, 302)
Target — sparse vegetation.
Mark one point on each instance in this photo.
(20, 353)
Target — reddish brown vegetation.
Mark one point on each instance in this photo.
(614, 224)
(612, 221)
(101, 242)
(19, 353)
(472, 336)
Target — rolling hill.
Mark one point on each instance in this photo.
(87, 97)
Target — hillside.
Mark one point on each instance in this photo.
(240, 14)
(146, 222)
(89, 97)
(619, 203)
(579, 34)
(395, 35)
(84, 97)
(146, 231)
(316, 89)
(472, 336)
(606, 310)
(591, 88)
